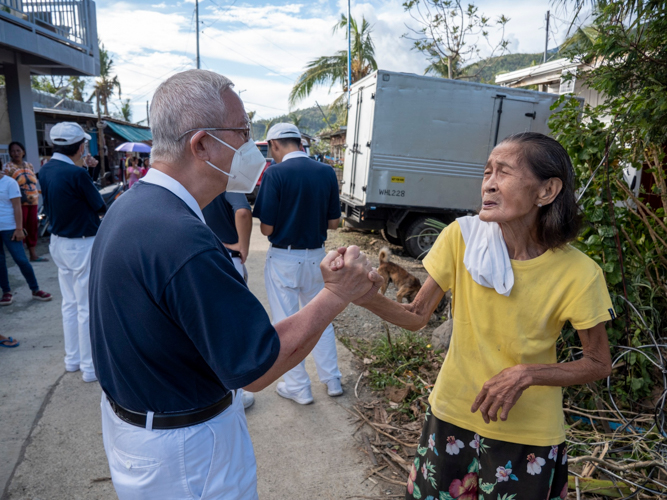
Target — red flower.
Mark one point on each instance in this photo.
(465, 489)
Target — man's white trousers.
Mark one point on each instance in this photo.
(212, 460)
(72, 256)
(293, 278)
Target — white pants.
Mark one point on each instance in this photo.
(293, 278)
(240, 267)
(72, 256)
(212, 460)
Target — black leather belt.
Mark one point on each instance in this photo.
(235, 253)
(173, 420)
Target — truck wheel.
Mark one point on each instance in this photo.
(390, 239)
(420, 237)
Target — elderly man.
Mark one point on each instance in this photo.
(175, 330)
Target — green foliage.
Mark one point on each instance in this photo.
(631, 127)
(332, 70)
(406, 360)
(311, 121)
(107, 84)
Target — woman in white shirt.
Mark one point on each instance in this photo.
(12, 236)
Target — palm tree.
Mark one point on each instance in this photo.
(106, 84)
(126, 110)
(77, 86)
(580, 42)
(295, 119)
(332, 70)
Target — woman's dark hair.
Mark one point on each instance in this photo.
(69, 149)
(16, 143)
(559, 222)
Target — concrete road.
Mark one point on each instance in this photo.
(51, 443)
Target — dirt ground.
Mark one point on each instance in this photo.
(356, 321)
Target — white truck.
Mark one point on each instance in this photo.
(416, 148)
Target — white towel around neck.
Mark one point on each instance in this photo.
(486, 257)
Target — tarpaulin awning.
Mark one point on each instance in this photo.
(132, 134)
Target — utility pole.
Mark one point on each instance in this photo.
(197, 21)
(349, 55)
(100, 133)
(546, 41)
(148, 116)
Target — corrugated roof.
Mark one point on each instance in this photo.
(132, 134)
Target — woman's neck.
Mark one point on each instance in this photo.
(520, 236)
(17, 162)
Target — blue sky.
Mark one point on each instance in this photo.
(263, 46)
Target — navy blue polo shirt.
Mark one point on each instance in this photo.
(71, 201)
(298, 197)
(220, 215)
(173, 325)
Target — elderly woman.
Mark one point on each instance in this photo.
(495, 426)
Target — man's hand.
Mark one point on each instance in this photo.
(90, 162)
(239, 248)
(501, 391)
(339, 263)
(352, 277)
(18, 235)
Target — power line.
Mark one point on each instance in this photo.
(265, 106)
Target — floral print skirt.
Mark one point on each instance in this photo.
(454, 463)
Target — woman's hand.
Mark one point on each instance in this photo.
(502, 391)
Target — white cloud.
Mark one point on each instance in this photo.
(263, 48)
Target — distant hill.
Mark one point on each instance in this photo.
(504, 64)
(311, 121)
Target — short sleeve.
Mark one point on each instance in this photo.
(334, 199)
(13, 190)
(268, 199)
(592, 306)
(237, 201)
(441, 260)
(225, 321)
(90, 192)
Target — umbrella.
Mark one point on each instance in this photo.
(136, 147)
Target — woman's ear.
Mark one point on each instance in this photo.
(549, 190)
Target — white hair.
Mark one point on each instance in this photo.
(187, 100)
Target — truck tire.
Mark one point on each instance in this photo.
(390, 239)
(420, 237)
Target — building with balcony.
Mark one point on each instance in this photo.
(43, 37)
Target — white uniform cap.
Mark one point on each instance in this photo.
(66, 133)
(283, 131)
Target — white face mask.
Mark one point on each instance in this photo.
(247, 165)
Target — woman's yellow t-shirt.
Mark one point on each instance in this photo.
(493, 332)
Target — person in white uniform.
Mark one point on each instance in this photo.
(73, 205)
(297, 203)
(175, 330)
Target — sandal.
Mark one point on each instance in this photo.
(39, 259)
(3, 343)
(40, 295)
(7, 298)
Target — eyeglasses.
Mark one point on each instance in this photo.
(244, 131)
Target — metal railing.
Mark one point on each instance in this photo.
(66, 20)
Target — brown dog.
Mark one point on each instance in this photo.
(407, 284)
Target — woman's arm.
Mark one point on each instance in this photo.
(503, 390)
(411, 316)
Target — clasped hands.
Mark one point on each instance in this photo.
(348, 274)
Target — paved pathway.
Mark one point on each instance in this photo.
(51, 443)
